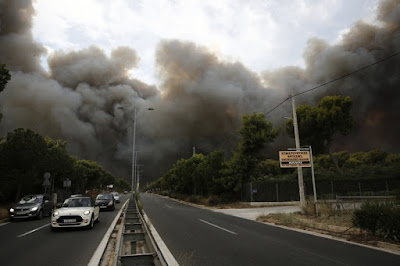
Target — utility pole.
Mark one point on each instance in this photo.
(134, 153)
(194, 151)
(297, 139)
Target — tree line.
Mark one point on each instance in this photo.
(26, 156)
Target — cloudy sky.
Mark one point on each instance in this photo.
(261, 34)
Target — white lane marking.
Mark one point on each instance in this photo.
(219, 227)
(168, 206)
(34, 230)
(4, 224)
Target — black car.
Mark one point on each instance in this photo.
(105, 201)
(32, 206)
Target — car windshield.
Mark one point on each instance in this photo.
(104, 196)
(30, 199)
(77, 202)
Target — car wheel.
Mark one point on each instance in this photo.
(40, 215)
(98, 219)
(91, 224)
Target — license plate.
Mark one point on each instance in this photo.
(103, 207)
(21, 213)
(69, 220)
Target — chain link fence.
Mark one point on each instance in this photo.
(279, 191)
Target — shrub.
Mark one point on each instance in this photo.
(381, 219)
(194, 199)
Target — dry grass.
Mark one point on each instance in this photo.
(330, 222)
(4, 212)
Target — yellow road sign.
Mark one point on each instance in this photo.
(289, 159)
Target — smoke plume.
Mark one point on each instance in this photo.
(88, 98)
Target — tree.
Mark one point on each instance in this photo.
(318, 125)
(4, 76)
(22, 158)
(57, 161)
(255, 133)
(209, 169)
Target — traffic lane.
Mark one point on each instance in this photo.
(195, 242)
(70, 246)
(21, 226)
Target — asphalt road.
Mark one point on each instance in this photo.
(203, 237)
(31, 242)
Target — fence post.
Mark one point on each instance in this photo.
(277, 192)
(332, 189)
(359, 187)
(387, 186)
(251, 191)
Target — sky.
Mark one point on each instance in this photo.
(262, 35)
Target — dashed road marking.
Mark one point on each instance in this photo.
(219, 227)
(34, 230)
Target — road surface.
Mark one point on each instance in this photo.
(31, 242)
(202, 237)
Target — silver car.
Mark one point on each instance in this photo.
(116, 196)
(75, 212)
(31, 206)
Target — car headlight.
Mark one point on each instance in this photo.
(86, 212)
(110, 203)
(55, 213)
(34, 208)
(11, 210)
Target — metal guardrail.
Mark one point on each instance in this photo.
(132, 242)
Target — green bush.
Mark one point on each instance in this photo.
(382, 219)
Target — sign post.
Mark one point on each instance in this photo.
(46, 182)
(300, 157)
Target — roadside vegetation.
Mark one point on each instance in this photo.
(373, 223)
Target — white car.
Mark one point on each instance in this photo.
(116, 196)
(75, 212)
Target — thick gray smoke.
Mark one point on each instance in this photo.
(88, 99)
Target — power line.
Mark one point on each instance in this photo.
(336, 79)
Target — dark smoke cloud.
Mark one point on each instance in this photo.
(201, 98)
(18, 49)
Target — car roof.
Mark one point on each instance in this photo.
(81, 197)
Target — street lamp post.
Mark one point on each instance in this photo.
(134, 178)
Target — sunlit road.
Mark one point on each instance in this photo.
(202, 237)
(31, 242)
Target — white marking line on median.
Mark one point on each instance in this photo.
(219, 227)
(168, 206)
(4, 224)
(34, 230)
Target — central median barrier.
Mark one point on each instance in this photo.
(131, 242)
